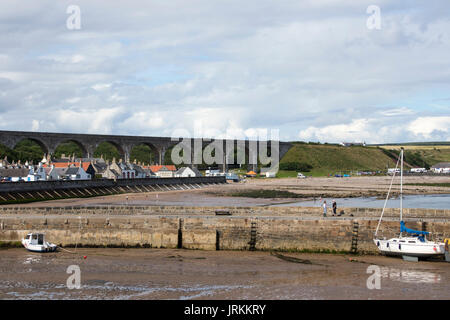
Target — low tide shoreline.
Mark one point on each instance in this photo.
(193, 274)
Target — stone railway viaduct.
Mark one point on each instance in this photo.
(88, 143)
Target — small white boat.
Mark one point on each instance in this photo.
(415, 244)
(36, 242)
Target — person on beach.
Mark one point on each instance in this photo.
(334, 207)
(324, 208)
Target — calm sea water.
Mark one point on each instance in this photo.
(434, 201)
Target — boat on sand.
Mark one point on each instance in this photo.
(36, 242)
(410, 244)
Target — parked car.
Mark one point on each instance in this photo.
(301, 175)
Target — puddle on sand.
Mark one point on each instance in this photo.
(32, 259)
(408, 276)
(99, 289)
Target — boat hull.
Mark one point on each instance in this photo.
(409, 247)
(48, 247)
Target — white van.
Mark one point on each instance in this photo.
(301, 175)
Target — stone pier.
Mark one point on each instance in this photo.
(286, 229)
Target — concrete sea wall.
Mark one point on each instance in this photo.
(16, 192)
(260, 228)
(24, 186)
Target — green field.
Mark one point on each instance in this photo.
(332, 159)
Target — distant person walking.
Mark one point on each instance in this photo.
(334, 207)
(324, 208)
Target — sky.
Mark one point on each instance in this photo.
(313, 70)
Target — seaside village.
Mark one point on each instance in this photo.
(71, 168)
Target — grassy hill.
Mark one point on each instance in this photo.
(311, 158)
(430, 154)
(324, 159)
(330, 159)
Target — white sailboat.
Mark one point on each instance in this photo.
(415, 244)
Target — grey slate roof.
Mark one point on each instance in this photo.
(441, 165)
(71, 170)
(14, 172)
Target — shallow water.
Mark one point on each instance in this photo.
(434, 201)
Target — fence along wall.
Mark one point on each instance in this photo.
(17, 192)
(202, 231)
(23, 186)
(235, 211)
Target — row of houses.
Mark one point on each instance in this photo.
(86, 169)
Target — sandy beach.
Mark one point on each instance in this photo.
(219, 195)
(194, 274)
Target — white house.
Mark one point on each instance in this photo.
(68, 173)
(139, 172)
(37, 173)
(212, 173)
(77, 173)
(14, 174)
(126, 170)
(441, 167)
(164, 172)
(187, 172)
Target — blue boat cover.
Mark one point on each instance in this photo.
(405, 229)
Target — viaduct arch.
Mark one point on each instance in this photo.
(49, 141)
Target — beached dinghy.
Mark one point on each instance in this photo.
(36, 242)
(415, 245)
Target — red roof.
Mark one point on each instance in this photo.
(85, 165)
(156, 168)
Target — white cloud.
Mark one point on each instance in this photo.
(88, 121)
(355, 131)
(429, 127)
(397, 112)
(144, 121)
(153, 67)
(101, 86)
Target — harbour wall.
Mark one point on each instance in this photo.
(207, 228)
(24, 186)
(13, 192)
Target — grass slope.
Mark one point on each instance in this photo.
(430, 154)
(328, 159)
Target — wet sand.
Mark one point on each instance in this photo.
(219, 195)
(194, 274)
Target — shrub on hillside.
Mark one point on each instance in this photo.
(296, 166)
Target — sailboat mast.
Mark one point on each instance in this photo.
(401, 187)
